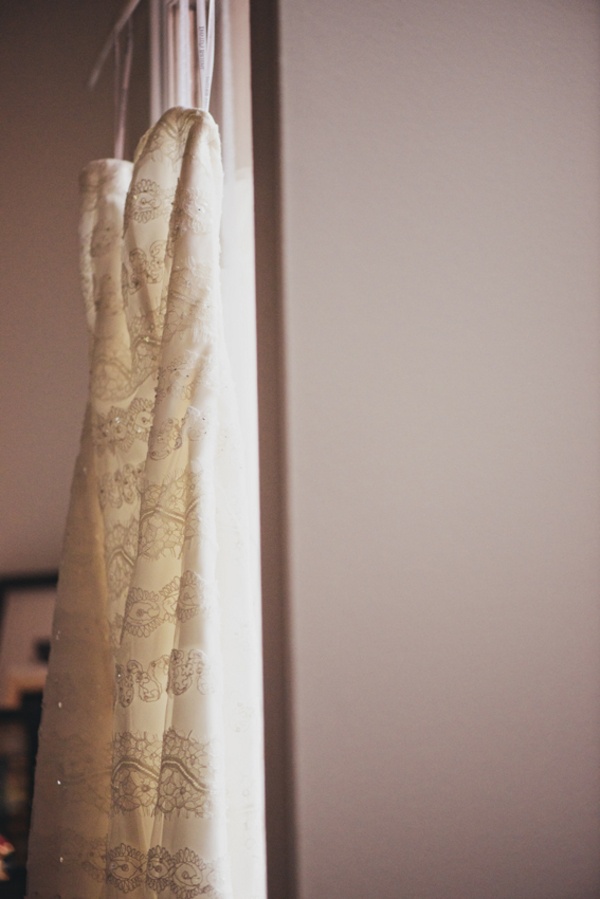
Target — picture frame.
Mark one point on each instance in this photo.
(16, 786)
(26, 612)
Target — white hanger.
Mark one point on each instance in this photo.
(205, 43)
(115, 31)
(122, 77)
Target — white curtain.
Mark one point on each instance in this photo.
(149, 775)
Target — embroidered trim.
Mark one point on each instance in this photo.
(176, 674)
(169, 516)
(169, 140)
(183, 873)
(146, 201)
(183, 785)
(146, 610)
(191, 309)
(121, 486)
(145, 268)
(184, 668)
(120, 547)
(136, 768)
(125, 868)
(149, 682)
(168, 437)
(191, 212)
(119, 428)
(194, 596)
(90, 855)
(183, 375)
(179, 600)
(171, 775)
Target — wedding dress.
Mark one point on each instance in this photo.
(149, 774)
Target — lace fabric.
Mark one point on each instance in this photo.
(149, 774)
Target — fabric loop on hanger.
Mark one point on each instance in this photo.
(206, 50)
(184, 71)
(122, 78)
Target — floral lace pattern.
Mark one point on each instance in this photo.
(187, 667)
(191, 212)
(120, 546)
(146, 201)
(147, 681)
(191, 310)
(182, 874)
(184, 784)
(126, 867)
(144, 268)
(90, 855)
(135, 771)
(155, 658)
(170, 516)
(120, 427)
(168, 143)
(170, 775)
(146, 609)
(121, 486)
(181, 377)
(169, 436)
(176, 674)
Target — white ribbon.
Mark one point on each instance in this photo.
(206, 50)
(184, 72)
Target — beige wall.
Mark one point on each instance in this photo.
(441, 265)
(51, 127)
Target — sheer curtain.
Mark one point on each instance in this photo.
(149, 779)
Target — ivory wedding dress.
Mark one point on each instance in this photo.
(149, 775)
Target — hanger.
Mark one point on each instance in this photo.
(115, 31)
(122, 76)
(162, 52)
